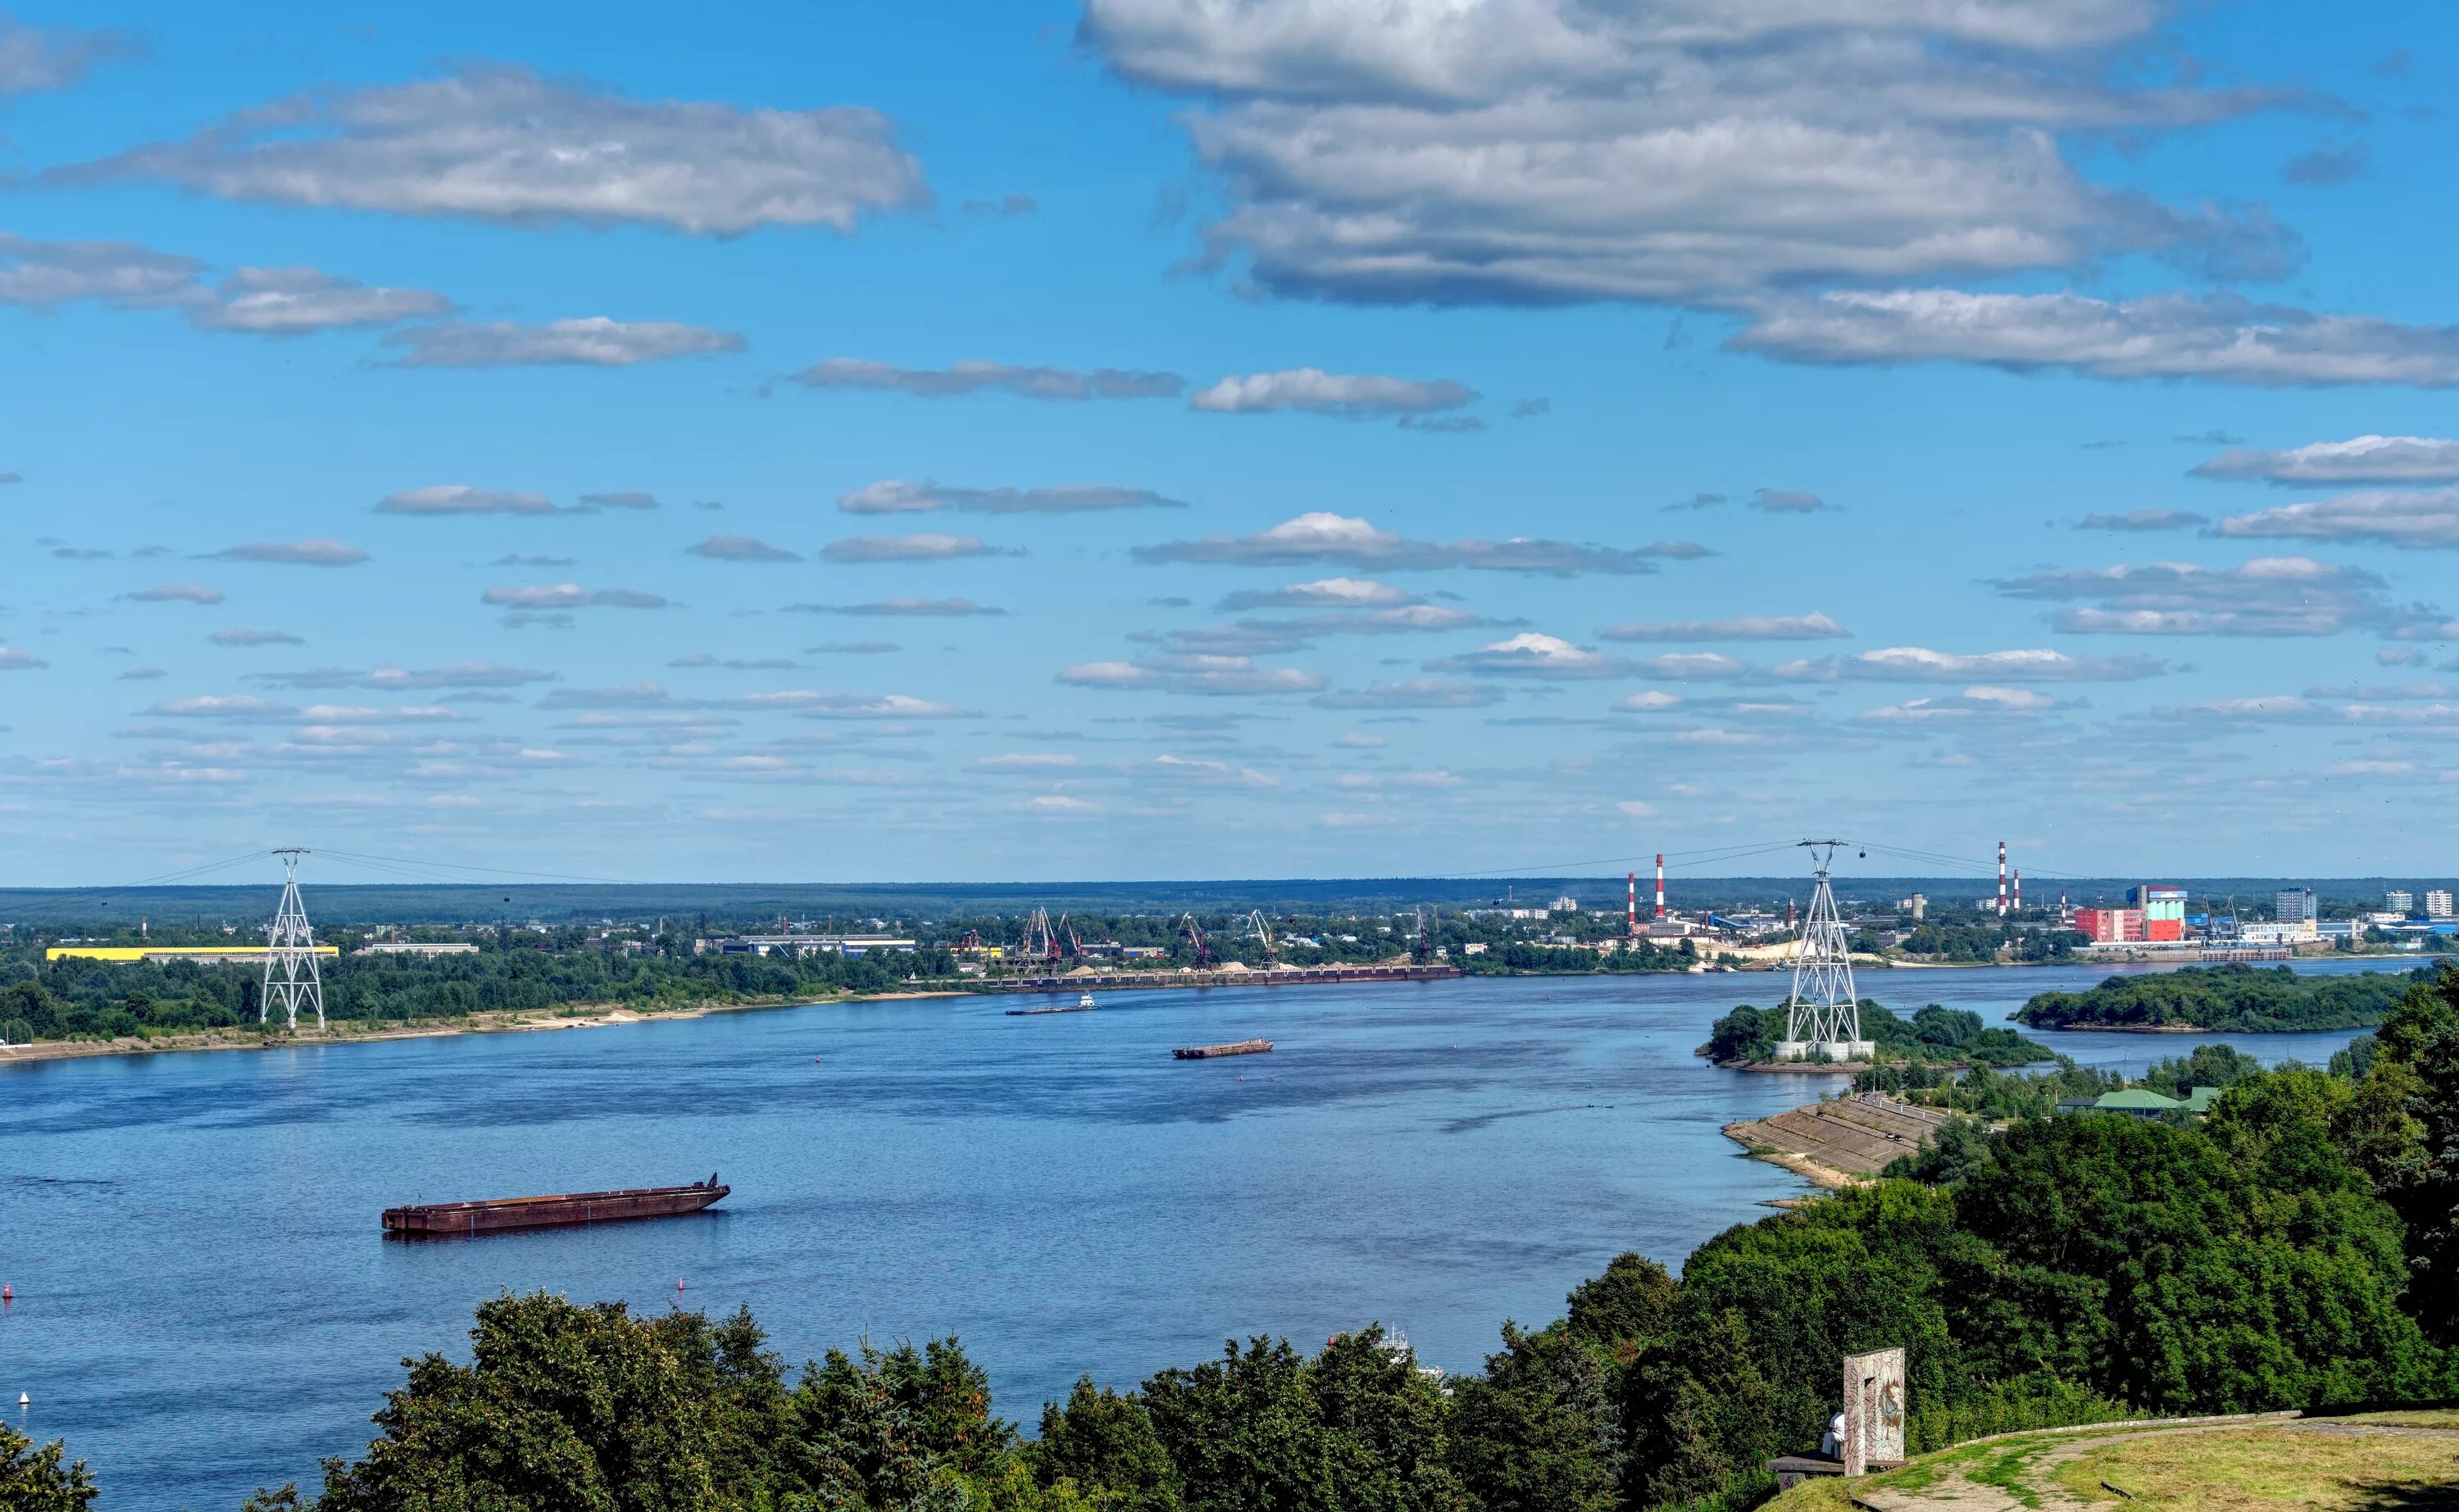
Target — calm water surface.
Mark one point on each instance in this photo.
(204, 1302)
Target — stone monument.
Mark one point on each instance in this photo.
(1874, 1411)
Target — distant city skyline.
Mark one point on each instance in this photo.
(1204, 438)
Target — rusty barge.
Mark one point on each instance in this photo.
(496, 1214)
(1208, 1052)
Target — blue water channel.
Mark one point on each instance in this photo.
(204, 1301)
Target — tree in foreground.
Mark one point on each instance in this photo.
(41, 1480)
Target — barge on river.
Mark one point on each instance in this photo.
(495, 1215)
(1208, 1052)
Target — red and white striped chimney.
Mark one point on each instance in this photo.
(1660, 884)
(2001, 879)
(2019, 890)
(1631, 904)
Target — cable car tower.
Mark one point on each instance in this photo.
(1825, 1015)
(290, 977)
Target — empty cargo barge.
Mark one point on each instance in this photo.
(1208, 1052)
(495, 1215)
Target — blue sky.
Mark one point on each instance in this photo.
(1226, 437)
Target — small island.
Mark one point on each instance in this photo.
(2230, 999)
(1936, 1035)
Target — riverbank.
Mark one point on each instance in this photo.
(574, 1015)
(1844, 1142)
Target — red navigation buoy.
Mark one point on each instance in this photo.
(7, 1296)
(678, 1286)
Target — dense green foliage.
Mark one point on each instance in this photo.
(41, 1480)
(1981, 942)
(1934, 1035)
(2237, 999)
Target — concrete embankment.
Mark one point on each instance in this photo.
(1840, 1143)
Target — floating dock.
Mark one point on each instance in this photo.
(496, 1214)
(1210, 1052)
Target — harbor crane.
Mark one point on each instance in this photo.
(1194, 934)
(1040, 942)
(1259, 928)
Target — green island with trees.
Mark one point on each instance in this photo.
(2297, 1247)
(1936, 1035)
(2228, 1000)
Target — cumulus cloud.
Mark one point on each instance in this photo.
(17, 658)
(501, 144)
(1059, 803)
(254, 637)
(1410, 693)
(1205, 675)
(905, 608)
(2269, 596)
(2220, 338)
(2393, 460)
(1811, 626)
(571, 596)
(1279, 637)
(1972, 702)
(264, 301)
(595, 341)
(1786, 501)
(178, 593)
(37, 58)
(1352, 396)
(1550, 151)
(296, 300)
(1682, 666)
(47, 274)
(1324, 593)
(1532, 655)
(875, 706)
(2418, 518)
(1652, 702)
(989, 377)
(893, 497)
(222, 705)
(922, 547)
(460, 675)
(459, 499)
(2142, 520)
(310, 553)
(740, 549)
(1920, 665)
(1335, 539)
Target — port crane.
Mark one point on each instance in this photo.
(1194, 934)
(1040, 942)
(1259, 928)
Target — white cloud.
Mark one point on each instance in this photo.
(1652, 702)
(594, 341)
(2269, 596)
(1920, 665)
(1550, 151)
(2142, 520)
(1026, 761)
(178, 593)
(915, 608)
(1352, 396)
(2395, 460)
(1324, 593)
(37, 58)
(893, 497)
(620, 498)
(1410, 693)
(1811, 626)
(874, 707)
(1786, 501)
(2219, 338)
(1972, 702)
(1059, 803)
(254, 637)
(1335, 539)
(459, 499)
(988, 377)
(2421, 518)
(225, 706)
(1684, 666)
(571, 596)
(1202, 675)
(1531, 654)
(922, 547)
(1634, 809)
(46, 274)
(499, 143)
(296, 300)
(460, 675)
(17, 658)
(365, 714)
(740, 549)
(310, 553)
(1356, 740)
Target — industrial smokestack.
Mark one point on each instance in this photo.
(2001, 879)
(1660, 884)
(2019, 890)
(1630, 904)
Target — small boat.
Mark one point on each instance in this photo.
(1083, 1005)
(495, 1215)
(1211, 1052)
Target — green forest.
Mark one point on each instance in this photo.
(2233, 999)
(1934, 1036)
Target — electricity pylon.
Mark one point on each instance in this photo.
(290, 977)
(1825, 1015)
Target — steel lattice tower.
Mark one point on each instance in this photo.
(290, 977)
(1825, 1012)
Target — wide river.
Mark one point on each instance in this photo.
(204, 1301)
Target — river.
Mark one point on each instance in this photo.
(204, 1302)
